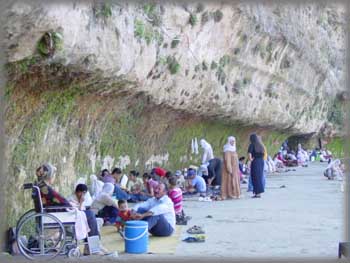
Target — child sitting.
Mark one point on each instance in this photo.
(175, 195)
(124, 215)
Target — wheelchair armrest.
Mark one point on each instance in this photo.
(28, 186)
(48, 208)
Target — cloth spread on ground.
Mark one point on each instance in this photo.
(112, 241)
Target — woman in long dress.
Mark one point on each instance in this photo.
(256, 152)
(230, 183)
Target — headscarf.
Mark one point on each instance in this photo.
(205, 144)
(258, 145)
(228, 147)
(49, 171)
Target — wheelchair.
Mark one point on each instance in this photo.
(43, 233)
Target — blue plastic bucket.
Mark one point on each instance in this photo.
(136, 237)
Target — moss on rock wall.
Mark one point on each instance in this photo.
(337, 147)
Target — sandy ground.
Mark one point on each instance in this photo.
(304, 219)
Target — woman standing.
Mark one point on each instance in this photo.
(256, 153)
(230, 183)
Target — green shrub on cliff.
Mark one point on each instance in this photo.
(193, 19)
(173, 65)
(49, 43)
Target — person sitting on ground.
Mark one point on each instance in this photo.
(106, 177)
(313, 155)
(281, 158)
(197, 183)
(136, 189)
(271, 165)
(166, 178)
(278, 161)
(149, 184)
(78, 201)
(124, 215)
(302, 156)
(121, 180)
(334, 170)
(158, 211)
(175, 195)
(95, 186)
(242, 166)
(105, 206)
(325, 156)
(291, 159)
(158, 174)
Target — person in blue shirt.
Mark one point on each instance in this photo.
(158, 211)
(197, 183)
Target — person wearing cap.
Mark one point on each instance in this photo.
(158, 174)
(197, 183)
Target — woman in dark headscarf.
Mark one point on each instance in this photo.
(256, 152)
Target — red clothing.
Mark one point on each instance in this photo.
(122, 217)
(176, 196)
(160, 171)
(50, 197)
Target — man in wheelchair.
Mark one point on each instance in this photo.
(86, 224)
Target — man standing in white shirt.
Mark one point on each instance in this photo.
(158, 211)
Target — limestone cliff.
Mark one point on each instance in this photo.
(124, 83)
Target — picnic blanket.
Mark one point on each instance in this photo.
(112, 240)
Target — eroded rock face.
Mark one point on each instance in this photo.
(131, 85)
(275, 65)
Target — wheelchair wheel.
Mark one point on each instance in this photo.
(26, 214)
(40, 236)
(74, 253)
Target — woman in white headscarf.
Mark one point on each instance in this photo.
(230, 182)
(104, 205)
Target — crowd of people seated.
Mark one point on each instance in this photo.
(159, 193)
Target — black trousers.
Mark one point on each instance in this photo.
(214, 171)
